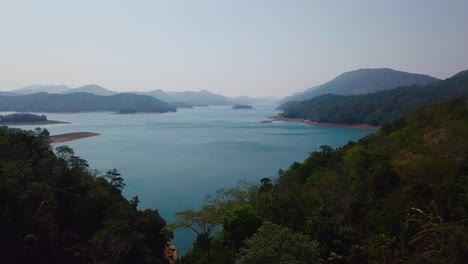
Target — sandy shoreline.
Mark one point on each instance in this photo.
(71, 136)
(313, 123)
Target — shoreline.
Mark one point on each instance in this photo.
(71, 136)
(314, 123)
(48, 122)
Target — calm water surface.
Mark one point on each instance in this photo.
(172, 161)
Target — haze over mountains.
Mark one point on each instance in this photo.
(41, 88)
(363, 81)
(357, 82)
(187, 98)
(83, 102)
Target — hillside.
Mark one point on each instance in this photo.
(8, 94)
(202, 97)
(55, 210)
(91, 88)
(377, 108)
(397, 196)
(40, 88)
(363, 81)
(80, 102)
(205, 98)
(185, 99)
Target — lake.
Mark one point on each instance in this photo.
(173, 160)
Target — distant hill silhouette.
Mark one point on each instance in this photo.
(183, 99)
(363, 81)
(379, 107)
(8, 94)
(40, 88)
(205, 98)
(80, 102)
(91, 88)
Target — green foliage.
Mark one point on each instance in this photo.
(240, 223)
(115, 180)
(397, 196)
(278, 245)
(42, 132)
(22, 118)
(377, 108)
(54, 210)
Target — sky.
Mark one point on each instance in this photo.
(236, 47)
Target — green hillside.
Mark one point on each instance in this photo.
(397, 196)
(54, 209)
(81, 102)
(363, 81)
(377, 108)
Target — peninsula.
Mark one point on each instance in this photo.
(26, 119)
(71, 136)
(315, 123)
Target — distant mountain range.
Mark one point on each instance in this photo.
(379, 107)
(81, 102)
(92, 88)
(63, 89)
(185, 99)
(363, 81)
(205, 98)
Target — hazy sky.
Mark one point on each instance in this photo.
(232, 47)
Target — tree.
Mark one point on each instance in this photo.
(203, 222)
(241, 223)
(44, 133)
(115, 179)
(274, 244)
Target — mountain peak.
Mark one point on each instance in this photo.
(363, 81)
(91, 88)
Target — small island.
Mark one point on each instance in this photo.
(27, 119)
(242, 106)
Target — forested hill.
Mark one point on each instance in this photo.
(53, 209)
(377, 108)
(81, 102)
(397, 196)
(363, 81)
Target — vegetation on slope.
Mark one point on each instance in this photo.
(22, 118)
(397, 196)
(363, 81)
(54, 209)
(80, 102)
(377, 108)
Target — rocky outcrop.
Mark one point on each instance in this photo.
(171, 253)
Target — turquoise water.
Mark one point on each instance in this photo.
(172, 161)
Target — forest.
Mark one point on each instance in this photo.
(83, 102)
(55, 209)
(379, 107)
(22, 117)
(397, 196)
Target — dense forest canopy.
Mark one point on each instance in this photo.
(22, 117)
(397, 196)
(377, 108)
(54, 209)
